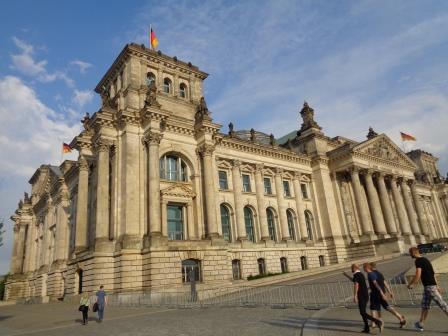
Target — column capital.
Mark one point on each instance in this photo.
(206, 149)
(102, 145)
(367, 171)
(279, 171)
(236, 163)
(354, 170)
(152, 138)
(297, 175)
(259, 167)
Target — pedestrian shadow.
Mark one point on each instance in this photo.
(4, 317)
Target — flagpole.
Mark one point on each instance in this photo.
(150, 43)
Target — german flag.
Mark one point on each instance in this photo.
(66, 148)
(153, 39)
(407, 137)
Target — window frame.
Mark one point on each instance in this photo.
(304, 263)
(286, 191)
(291, 224)
(261, 262)
(268, 186)
(270, 219)
(197, 270)
(250, 234)
(167, 88)
(179, 207)
(183, 90)
(225, 180)
(229, 223)
(181, 172)
(284, 265)
(304, 190)
(246, 187)
(236, 265)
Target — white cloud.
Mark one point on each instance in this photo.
(27, 65)
(82, 97)
(83, 66)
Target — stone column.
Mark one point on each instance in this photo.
(259, 188)
(20, 244)
(377, 215)
(386, 206)
(209, 186)
(190, 221)
(445, 200)
(362, 210)
(281, 207)
(409, 207)
(61, 244)
(81, 207)
(237, 194)
(420, 211)
(102, 195)
(402, 217)
(152, 139)
(299, 206)
(15, 245)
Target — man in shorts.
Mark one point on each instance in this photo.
(379, 290)
(425, 272)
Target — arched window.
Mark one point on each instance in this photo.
(191, 270)
(284, 264)
(173, 168)
(290, 219)
(271, 223)
(167, 85)
(78, 280)
(261, 266)
(183, 90)
(150, 78)
(249, 223)
(303, 263)
(225, 222)
(236, 269)
(321, 260)
(309, 224)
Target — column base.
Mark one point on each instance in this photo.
(155, 239)
(79, 249)
(131, 242)
(409, 240)
(367, 237)
(103, 244)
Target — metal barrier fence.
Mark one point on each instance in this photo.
(319, 295)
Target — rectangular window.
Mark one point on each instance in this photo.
(286, 190)
(246, 183)
(175, 222)
(267, 186)
(304, 190)
(223, 180)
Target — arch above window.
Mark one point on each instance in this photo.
(167, 85)
(173, 168)
(225, 222)
(309, 221)
(291, 223)
(183, 90)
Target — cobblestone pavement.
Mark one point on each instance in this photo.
(347, 321)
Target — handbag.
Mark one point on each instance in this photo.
(80, 307)
(95, 307)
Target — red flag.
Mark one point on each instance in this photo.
(407, 137)
(66, 148)
(154, 42)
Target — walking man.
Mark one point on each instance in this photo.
(101, 301)
(361, 296)
(425, 272)
(379, 289)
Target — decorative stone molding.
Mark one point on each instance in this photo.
(152, 138)
(236, 163)
(259, 167)
(206, 149)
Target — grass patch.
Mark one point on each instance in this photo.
(260, 276)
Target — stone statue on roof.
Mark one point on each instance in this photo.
(307, 114)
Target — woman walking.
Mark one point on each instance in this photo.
(84, 305)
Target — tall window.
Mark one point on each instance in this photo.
(290, 219)
(246, 183)
(150, 77)
(304, 190)
(309, 224)
(261, 266)
(236, 269)
(286, 189)
(173, 168)
(271, 224)
(167, 85)
(175, 222)
(284, 264)
(225, 222)
(223, 184)
(267, 186)
(321, 260)
(249, 223)
(303, 263)
(191, 270)
(183, 90)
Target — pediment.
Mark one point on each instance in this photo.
(179, 191)
(384, 148)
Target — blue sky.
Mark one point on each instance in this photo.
(358, 63)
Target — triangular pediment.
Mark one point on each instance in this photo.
(178, 190)
(384, 148)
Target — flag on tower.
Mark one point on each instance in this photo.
(153, 39)
(66, 148)
(407, 137)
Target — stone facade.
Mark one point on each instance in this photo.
(160, 194)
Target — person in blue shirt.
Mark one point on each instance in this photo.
(101, 301)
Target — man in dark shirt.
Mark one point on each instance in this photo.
(379, 289)
(425, 272)
(361, 296)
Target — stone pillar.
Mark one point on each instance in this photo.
(445, 200)
(362, 210)
(237, 193)
(102, 195)
(402, 217)
(20, 245)
(81, 207)
(420, 211)
(15, 245)
(386, 206)
(377, 215)
(259, 188)
(61, 244)
(209, 186)
(190, 221)
(152, 139)
(409, 207)
(299, 206)
(281, 204)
